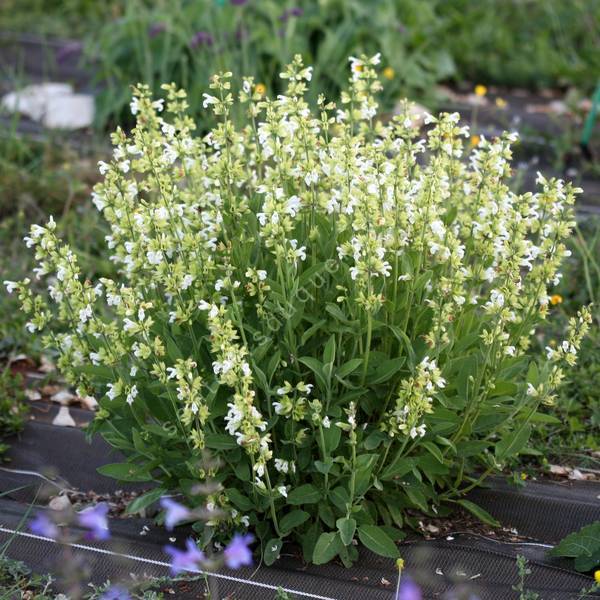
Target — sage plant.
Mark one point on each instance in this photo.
(338, 311)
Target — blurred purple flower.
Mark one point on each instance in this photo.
(241, 34)
(201, 38)
(43, 526)
(95, 521)
(175, 512)
(408, 590)
(68, 50)
(238, 2)
(237, 553)
(296, 11)
(156, 29)
(184, 560)
(115, 592)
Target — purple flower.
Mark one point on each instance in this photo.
(115, 592)
(238, 2)
(175, 512)
(201, 38)
(43, 526)
(237, 553)
(156, 29)
(184, 560)
(296, 11)
(408, 590)
(94, 519)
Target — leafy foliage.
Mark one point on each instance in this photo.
(339, 313)
(12, 407)
(583, 546)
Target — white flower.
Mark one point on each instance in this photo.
(326, 422)
(11, 286)
(113, 390)
(531, 391)
(133, 392)
(208, 100)
(293, 205)
(282, 490)
(85, 314)
(187, 282)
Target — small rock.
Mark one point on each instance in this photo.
(63, 397)
(64, 418)
(59, 503)
(53, 104)
(33, 395)
(577, 475)
(46, 365)
(559, 470)
(417, 113)
(89, 402)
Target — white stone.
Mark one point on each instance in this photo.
(59, 503)
(89, 402)
(64, 418)
(55, 105)
(63, 397)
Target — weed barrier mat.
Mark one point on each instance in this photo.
(483, 567)
(62, 458)
(55, 458)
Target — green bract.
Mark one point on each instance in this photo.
(338, 312)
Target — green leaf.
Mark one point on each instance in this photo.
(324, 466)
(239, 500)
(292, 520)
(398, 468)
(332, 437)
(305, 494)
(434, 450)
(317, 368)
(220, 441)
(583, 546)
(144, 500)
(378, 541)
(479, 512)
(348, 367)
(513, 443)
(329, 351)
(340, 498)
(386, 370)
(272, 550)
(327, 547)
(125, 472)
(347, 527)
(504, 388)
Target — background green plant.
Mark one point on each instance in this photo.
(572, 436)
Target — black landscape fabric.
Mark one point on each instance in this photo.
(544, 511)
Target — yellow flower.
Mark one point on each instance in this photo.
(501, 103)
(261, 89)
(480, 90)
(556, 299)
(400, 564)
(475, 140)
(597, 575)
(523, 476)
(389, 73)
